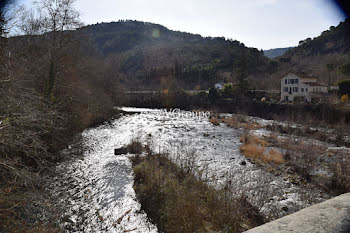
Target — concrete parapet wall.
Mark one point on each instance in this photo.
(331, 216)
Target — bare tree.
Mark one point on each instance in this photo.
(55, 19)
(4, 19)
(58, 16)
(3, 13)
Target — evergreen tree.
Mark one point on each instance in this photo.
(330, 68)
(213, 94)
(242, 74)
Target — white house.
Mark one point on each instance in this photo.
(219, 86)
(300, 87)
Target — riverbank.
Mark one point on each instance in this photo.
(25, 203)
(303, 113)
(176, 201)
(299, 166)
(309, 155)
(93, 190)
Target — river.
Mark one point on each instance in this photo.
(94, 187)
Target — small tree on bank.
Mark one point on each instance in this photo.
(213, 94)
(330, 68)
(55, 19)
(344, 87)
(344, 99)
(5, 16)
(242, 74)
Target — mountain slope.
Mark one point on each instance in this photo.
(334, 40)
(150, 55)
(141, 55)
(272, 53)
(322, 56)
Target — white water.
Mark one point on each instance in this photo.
(95, 188)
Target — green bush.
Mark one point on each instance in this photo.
(345, 68)
(213, 94)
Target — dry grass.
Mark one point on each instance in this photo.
(341, 177)
(253, 139)
(293, 145)
(178, 202)
(250, 126)
(275, 156)
(336, 137)
(231, 122)
(18, 208)
(239, 122)
(235, 122)
(214, 121)
(253, 151)
(254, 148)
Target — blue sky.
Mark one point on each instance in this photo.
(262, 24)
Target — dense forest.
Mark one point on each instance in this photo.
(151, 56)
(142, 55)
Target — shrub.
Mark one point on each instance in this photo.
(253, 139)
(214, 121)
(344, 86)
(213, 94)
(340, 182)
(135, 147)
(344, 99)
(228, 90)
(254, 148)
(276, 156)
(253, 151)
(240, 123)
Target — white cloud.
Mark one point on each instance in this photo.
(261, 3)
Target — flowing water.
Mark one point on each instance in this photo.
(95, 187)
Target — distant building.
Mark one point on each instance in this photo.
(334, 88)
(219, 86)
(299, 87)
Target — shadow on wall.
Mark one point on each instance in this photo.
(345, 226)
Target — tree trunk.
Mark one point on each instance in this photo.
(52, 76)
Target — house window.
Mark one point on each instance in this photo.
(292, 81)
(286, 81)
(296, 81)
(302, 89)
(295, 89)
(305, 89)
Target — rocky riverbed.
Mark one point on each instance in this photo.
(94, 187)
